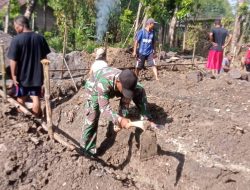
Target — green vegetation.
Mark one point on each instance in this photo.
(80, 18)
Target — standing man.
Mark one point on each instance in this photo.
(26, 51)
(109, 83)
(145, 39)
(218, 37)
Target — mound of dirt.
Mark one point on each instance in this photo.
(118, 57)
(205, 144)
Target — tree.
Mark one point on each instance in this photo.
(242, 10)
(30, 8)
(7, 17)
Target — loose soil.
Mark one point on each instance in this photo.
(204, 145)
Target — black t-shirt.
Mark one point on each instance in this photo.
(219, 37)
(28, 49)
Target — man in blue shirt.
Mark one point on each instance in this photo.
(145, 39)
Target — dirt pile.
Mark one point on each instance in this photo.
(120, 58)
(204, 147)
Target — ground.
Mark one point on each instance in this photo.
(204, 145)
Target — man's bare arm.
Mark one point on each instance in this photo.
(135, 48)
(228, 40)
(13, 64)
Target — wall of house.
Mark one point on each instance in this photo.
(39, 18)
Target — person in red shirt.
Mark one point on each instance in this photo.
(246, 60)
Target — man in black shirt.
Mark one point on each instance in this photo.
(26, 51)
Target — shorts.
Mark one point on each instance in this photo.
(20, 91)
(247, 67)
(141, 61)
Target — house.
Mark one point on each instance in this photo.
(44, 18)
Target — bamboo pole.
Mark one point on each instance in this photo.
(46, 63)
(70, 74)
(57, 137)
(64, 46)
(106, 44)
(194, 50)
(2, 63)
(128, 35)
(137, 18)
(132, 67)
(16, 104)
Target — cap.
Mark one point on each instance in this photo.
(150, 20)
(100, 52)
(128, 80)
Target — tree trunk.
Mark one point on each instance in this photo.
(137, 18)
(7, 18)
(30, 8)
(172, 28)
(161, 34)
(237, 27)
(45, 15)
(145, 18)
(245, 28)
(165, 37)
(33, 22)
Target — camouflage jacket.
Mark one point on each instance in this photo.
(102, 88)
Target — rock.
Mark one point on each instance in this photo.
(235, 74)
(3, 148)
(171, 54)
(8, 167)
(195, 76)
(34, 140)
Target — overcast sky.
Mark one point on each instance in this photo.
(232, 2)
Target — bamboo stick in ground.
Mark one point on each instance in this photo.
(2, 63)
(46, 63)
(70, 74)
(57, 137)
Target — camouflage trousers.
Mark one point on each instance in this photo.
(92, 115)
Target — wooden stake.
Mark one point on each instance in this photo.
(194, 50)
(46, 63)
(106, 44)
(64, 46)
(2, 63)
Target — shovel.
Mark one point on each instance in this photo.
(148, 140)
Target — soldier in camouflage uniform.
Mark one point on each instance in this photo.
(108, 83)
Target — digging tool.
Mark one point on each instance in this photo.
(46, 63)
(148, 139)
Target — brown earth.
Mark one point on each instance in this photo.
(205, 144)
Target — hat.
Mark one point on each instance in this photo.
(100, 52)
(150, 20)
(128, 80)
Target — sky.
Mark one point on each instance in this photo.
(233, 4)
